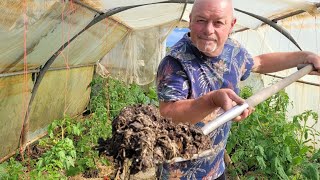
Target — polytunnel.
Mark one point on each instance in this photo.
(50, 51)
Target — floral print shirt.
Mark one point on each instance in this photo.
(186, 73)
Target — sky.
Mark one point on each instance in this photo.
(175, 36)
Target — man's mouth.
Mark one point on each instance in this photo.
(207, 39)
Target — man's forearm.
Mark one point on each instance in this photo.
(273, 62)
(195, 110)
(189, 110)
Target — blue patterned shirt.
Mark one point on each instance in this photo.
(186, 73)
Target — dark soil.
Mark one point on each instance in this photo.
(91, 173)
(34, 151)
(140, 134)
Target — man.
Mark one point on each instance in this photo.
(200, 75)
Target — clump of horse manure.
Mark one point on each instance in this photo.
(139, 133)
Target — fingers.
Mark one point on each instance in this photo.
(227, 99)
(244, 114)
(315, 60)
(251, 110)
(227, 106)
(233, 96)
(315, 73)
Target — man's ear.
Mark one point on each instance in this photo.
(233, 22)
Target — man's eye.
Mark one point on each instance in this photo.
(219, 23)
(201, 20)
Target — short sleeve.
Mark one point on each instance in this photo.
(247, 64)
(172, 83)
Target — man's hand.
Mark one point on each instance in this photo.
(226, 99)
(311, 58)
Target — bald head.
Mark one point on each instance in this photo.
(225, 5)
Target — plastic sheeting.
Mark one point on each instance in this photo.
(266, 8)
(137, 57)
(51, 27)
(50, 24)
(63, 92)
(46, 31)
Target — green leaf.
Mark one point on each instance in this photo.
(311, 171)
(73, 153)
(105, 162)
(76, 130)
(4, 174)
(58, 164)
(72, 171)
(40, 163)
(261, 162)
(306, 135)
(316, 156)
(297, 160)
(69, 162)
(62, 154)
(279, 169)
(303, 150)
(288, 154)
(251, 178)
(261, 150)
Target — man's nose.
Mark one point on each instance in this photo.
(209, 28)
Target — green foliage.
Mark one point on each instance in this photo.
(60, 157)
(66, 126)
(121, 95)
(12, 170)
(98, 100)
(311, 171)
(267, 146)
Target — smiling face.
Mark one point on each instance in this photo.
(211, 22)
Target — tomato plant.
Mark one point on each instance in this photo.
(267, 145)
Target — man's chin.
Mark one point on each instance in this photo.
(211, 52)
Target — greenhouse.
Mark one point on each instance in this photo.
(68, 68)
